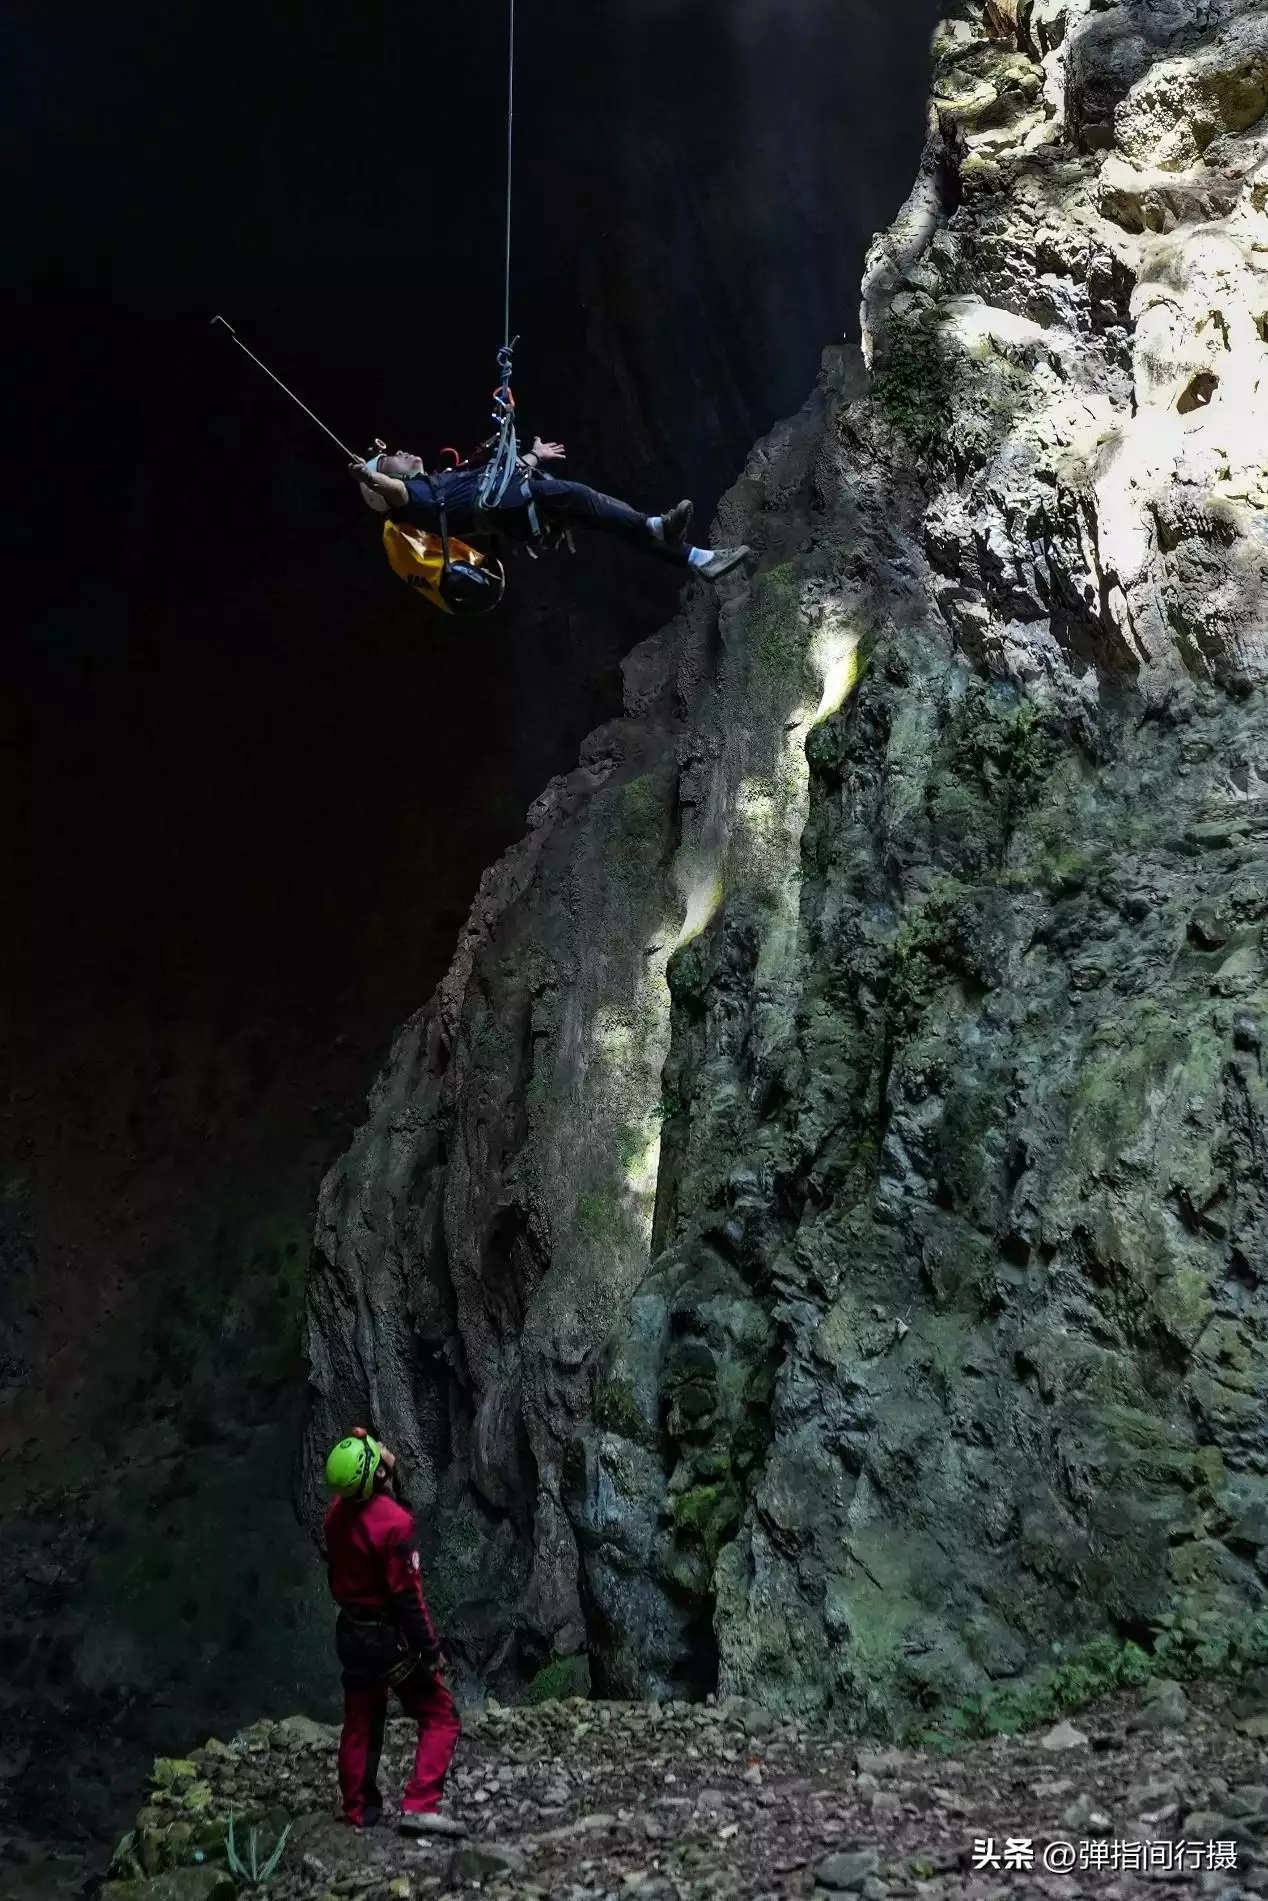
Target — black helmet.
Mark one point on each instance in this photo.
(467, 588)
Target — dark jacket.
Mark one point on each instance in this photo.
(459, 490)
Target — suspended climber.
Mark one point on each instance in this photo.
(500, 490)
(503, 491)
(399, 485)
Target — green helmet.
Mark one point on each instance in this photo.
(351, 1467)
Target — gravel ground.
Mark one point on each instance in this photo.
(680, 1802)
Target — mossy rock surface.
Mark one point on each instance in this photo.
(557, 1681)
(930, 1332)
(173, 1772)
(177, 1884)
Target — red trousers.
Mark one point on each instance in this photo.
(422, 1697)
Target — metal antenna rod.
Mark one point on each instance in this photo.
(350, 453)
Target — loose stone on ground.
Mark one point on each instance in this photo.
(569, 1802)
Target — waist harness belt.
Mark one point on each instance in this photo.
(369, 1644)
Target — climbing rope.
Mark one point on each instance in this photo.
(504, 462)
(281, 385)
(510, 171)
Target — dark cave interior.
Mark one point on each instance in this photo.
(248, 784)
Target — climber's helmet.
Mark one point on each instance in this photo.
(401, 466)
(352, 1466)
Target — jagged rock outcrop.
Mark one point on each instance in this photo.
(815, 1239)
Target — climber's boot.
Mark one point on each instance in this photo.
(721, 561)
(676, 522)
(429, 1822)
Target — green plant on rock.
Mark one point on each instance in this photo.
(617, 1410)
(778, 650)
(995, 756)
(685, 974)
(488, 1040)
(1035, 750)
(558, 1680)
(914, 389)
(824, 746)
(645, 803)
(631, 1146)
(125, 1864)
(1061, 869)
(1117, 1077)
(1187, 1642)
(710, 1513)
(463, 1540)
(1089, 1670)
(777, 639)
(599, 1215)
(918, 966)
(1192, 1643)
(537, 1089)
(248, 1869)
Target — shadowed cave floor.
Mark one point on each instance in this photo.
(575, 1799)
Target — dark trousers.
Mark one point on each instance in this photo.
(562, 504)
(574, 503)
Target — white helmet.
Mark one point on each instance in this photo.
(368, 495)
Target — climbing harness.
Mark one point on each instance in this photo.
(473, 583)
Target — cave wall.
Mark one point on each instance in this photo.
(814, 1235)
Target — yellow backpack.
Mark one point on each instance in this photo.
(448, 574)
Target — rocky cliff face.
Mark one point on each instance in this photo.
(814, 1239)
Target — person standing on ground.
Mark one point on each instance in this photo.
(385, 1640)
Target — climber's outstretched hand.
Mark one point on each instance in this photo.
(548, 451)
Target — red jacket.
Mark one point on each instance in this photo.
(373, 1565)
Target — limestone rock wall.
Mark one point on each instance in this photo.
(814, 1240)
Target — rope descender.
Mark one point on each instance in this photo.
(503, 464)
